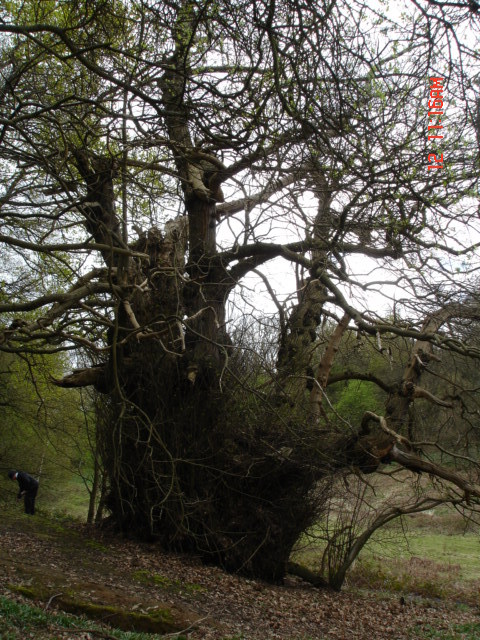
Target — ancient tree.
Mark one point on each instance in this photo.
(161, 161)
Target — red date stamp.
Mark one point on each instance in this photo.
(435, 111)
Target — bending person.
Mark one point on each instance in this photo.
(28, 488)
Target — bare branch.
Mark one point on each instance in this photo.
(414, 463)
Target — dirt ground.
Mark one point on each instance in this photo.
(49, 560)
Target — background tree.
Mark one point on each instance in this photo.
(157, 158)
(43, 430)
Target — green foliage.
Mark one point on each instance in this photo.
(357, 396)
(44, 429)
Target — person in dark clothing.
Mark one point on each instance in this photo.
(28, 488)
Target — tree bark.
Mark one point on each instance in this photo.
(324, 368)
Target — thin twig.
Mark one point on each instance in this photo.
(56, 595)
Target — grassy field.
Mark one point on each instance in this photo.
(69, 499)
(432, 554)
(458, 553)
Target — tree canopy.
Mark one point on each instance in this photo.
(212, 207)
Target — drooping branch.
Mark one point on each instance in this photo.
(381, 520)
(23, 330)
(419, 392)
(400, 400)
(349, 374)
(419, 465)
(65, 300)
(369, 416)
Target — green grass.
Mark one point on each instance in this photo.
(460, 632)
(18, 620)
(64, 495)
(175, 586)
(459, 551)
(433, 557)
(68, 498)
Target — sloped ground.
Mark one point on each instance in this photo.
(65, 566)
